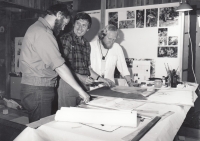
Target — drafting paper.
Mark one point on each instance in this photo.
(173, 97)
(107, 128)
(115, 103)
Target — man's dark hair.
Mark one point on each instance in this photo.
(54, 9)
(83, 16)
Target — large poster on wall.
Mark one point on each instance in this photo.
(18, 44)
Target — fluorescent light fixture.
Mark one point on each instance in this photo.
(184, 7)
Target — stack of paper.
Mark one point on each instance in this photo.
(95, 116)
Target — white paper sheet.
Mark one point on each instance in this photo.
(106, 117)
(115, 103)
(173, 97)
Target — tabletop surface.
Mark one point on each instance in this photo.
(49, 129)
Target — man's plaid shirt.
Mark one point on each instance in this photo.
(76, 52)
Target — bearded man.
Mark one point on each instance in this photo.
(41, 63)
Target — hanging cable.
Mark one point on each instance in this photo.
(190, 41)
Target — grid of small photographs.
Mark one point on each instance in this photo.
(163, 18)
(130, 23)
(167, 45)
(141, 18)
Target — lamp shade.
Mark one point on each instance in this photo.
(184, 7)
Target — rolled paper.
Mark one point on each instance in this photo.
(96, 116)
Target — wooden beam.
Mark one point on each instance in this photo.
(134, 2)
(120, 3)
(103, 9)
(151, 2)
(4, 4)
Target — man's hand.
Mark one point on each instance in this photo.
(132, 84)
(85, 79)
(89, 80)
(107, 82)
(84, 96)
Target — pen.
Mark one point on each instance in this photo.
(165, 67)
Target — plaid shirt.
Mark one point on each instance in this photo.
(76, 52)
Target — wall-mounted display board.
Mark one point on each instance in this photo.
(150, 32)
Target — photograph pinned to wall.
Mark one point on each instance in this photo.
(129, 62)
(173, 40)
(18, 44)
(126, 24)
(151, 17)
(168, 16)
(140, 18)
(113, 18)
(130, 14)
(162, 36)
(169, 52)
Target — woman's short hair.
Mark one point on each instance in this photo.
(83, 16)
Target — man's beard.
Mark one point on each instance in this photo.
(57, 26)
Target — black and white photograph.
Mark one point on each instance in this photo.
(140, 18)
(173, 40)
(130, 14)
(126, 24)
(151, 17)
(113, 18)
(99, 70)
(168, 52)
(168, 17)
(162, 36)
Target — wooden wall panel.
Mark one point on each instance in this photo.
(129, 3)
(38, 4)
